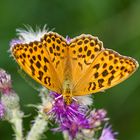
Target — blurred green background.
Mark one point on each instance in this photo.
(115, 22)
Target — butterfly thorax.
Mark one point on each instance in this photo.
(67, 91)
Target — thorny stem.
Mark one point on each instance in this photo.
(40, 123)
(38, 128)
(17, 124)
(66, 136)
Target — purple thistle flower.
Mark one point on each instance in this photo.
(2, 110)
(5, 82)
(71, 118)
(68, 39)
(107, 134)
(97, 117)
(15, 42)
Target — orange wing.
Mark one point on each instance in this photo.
(43, 60)
(82, 52)
(107, 70)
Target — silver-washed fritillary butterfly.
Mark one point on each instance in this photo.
(77, 67)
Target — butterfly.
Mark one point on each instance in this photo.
(75, 67)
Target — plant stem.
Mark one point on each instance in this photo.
(17, 124)
(38, 128)
(66, 136)
(41, 121)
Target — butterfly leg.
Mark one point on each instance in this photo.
(75, 99)
(52, 104)
(57, 98)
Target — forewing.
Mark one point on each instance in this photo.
(82, 51)
(43, 60)
(107, 70)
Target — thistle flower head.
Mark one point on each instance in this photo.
(5, 82)
(71, 118)
(68, 39)
(107, 134)
(2, 110)
(9, 99)
(15, 41)
(76, 119)
(85, 101)
(97, 117)
(28, 35)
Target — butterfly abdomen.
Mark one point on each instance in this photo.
(67, 92)
(67, 95)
